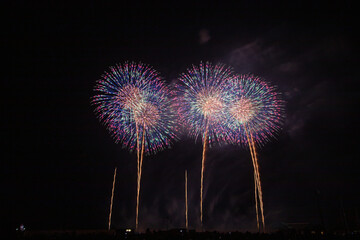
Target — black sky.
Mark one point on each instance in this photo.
(58, 172)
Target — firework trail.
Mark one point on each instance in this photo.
(135, 106)
(255, 114)
(186, 202)
(205, 143)
(112, 198)
(201, 106)
(257, 184)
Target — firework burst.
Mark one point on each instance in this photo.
(255, 113)
(255, 106)
(201, 100)
(133, 98)
(201, 106)
(135, 106)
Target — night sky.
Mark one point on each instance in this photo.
(59, 170)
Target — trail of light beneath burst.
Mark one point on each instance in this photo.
(186, 203)
(137, 148)
(205, 143)
(138, 175)
(112, 198)
(256, 203)
(257, 181)
(139, 178)
(256, 185)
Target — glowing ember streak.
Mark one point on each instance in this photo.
(256, 203)
(202, 173)
(259, 182)
(139, 180)
(132, 98)
(112, 198)
(186, 202)
(201, 106)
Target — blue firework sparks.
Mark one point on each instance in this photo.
(255, 107)
(133, 97)
(202, 98)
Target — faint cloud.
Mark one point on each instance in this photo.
(305, 103)
(204, 36)
(289, 67)
(252, 54)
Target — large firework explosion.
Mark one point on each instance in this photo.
(256, 106)
(201, 106)
(255, 113)
(135, 106)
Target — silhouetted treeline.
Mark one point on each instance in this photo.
(182, 234)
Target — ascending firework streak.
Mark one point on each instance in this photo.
(134, 103)
(112, 198)
(205, 143)
(201, 107)
(186, 202)
(140, 161)
(257, 182)
(255, 113)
